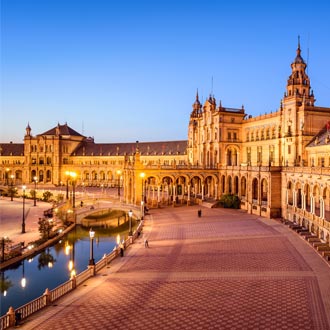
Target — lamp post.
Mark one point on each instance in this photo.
(130, 213)
(35, 191)
(12, 187)
(73, 176)
(23, 220)
(7, 177)
(142, 175)
(67, 173)
(118, 173)
(3, 249)
(91, 256)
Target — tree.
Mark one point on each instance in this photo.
(33, 193)
(230, 201)
(46, 227)
(47, 196)
(5, 241)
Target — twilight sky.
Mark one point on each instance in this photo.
(127, 70)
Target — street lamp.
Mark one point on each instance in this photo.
(67, 173)
(130, 213)
(7, 178)
(12, 187)
(73, 176)
(23, 220)
(91, 256)
(142, 175)
(3, 249)
(118, 173)
(35, 179)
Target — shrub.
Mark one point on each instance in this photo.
(47, 196)
(230, 201)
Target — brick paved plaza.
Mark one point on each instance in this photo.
(226, 270)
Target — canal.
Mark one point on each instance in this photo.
(28, 280)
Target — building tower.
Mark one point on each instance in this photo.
(297, 103)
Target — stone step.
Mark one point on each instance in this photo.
(302, 230)
(312, 239)
(316, 244)
(304, 233)
(295, 227)
(324, 248)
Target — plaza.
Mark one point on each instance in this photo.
(224, 270)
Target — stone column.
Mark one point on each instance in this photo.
(312, 208)
(322, 213)
(303, 201)
(188, 198)
(287, 197)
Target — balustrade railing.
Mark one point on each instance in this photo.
(13, 316)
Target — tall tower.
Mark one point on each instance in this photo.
(297, 101)
(193, 131)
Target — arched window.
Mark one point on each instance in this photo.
(48, 176)
(290, 193)
(243, 186)
(236, 185)
(255, 190)
(41, 176)
(264, 190)
(230, 189)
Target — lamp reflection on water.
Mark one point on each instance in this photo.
(23, 280)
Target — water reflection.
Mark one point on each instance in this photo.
(29, 279)
(5, 284)
(46, 259)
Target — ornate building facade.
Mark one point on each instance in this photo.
(278, 164)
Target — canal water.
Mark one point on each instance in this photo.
(53, 266)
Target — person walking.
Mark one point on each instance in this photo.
(146, 243)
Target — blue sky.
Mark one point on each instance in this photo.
(128, 70)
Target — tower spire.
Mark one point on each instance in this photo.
(298, 49)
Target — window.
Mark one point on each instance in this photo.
(271, 154)
(248, 155)
(259, 155)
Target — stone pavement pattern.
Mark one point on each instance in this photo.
(11, 216)
(227, 270)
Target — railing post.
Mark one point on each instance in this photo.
(74, 282)
(11, 314)
(92, 269)
(47, 297)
